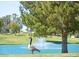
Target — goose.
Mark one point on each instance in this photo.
(31, 47)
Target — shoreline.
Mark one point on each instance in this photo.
(42, 55)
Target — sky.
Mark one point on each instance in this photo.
(9, 7)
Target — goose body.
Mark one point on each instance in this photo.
(30, 47)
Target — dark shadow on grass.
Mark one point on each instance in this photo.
(59, 42)
(56, 42)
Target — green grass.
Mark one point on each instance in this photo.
(23, 39)
(44, 55)
(14, 39)
(57, 39)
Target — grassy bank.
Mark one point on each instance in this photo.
(44, 55)
(15, 39)
(23, 39)
(56, 39)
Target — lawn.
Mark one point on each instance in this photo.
(44, 55)
(57, 39)
(23, 39)
(14, 39)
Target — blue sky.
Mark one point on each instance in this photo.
(9, 7)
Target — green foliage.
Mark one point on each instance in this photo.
(1, 23)
(14, 26)
(45, 17)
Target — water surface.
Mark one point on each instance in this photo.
(49, 48)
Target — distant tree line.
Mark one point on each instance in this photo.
(10, 24)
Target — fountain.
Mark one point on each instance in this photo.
(42, 44)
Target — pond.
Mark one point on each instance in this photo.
(50, 49)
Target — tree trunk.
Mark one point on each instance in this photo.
(64, 42)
